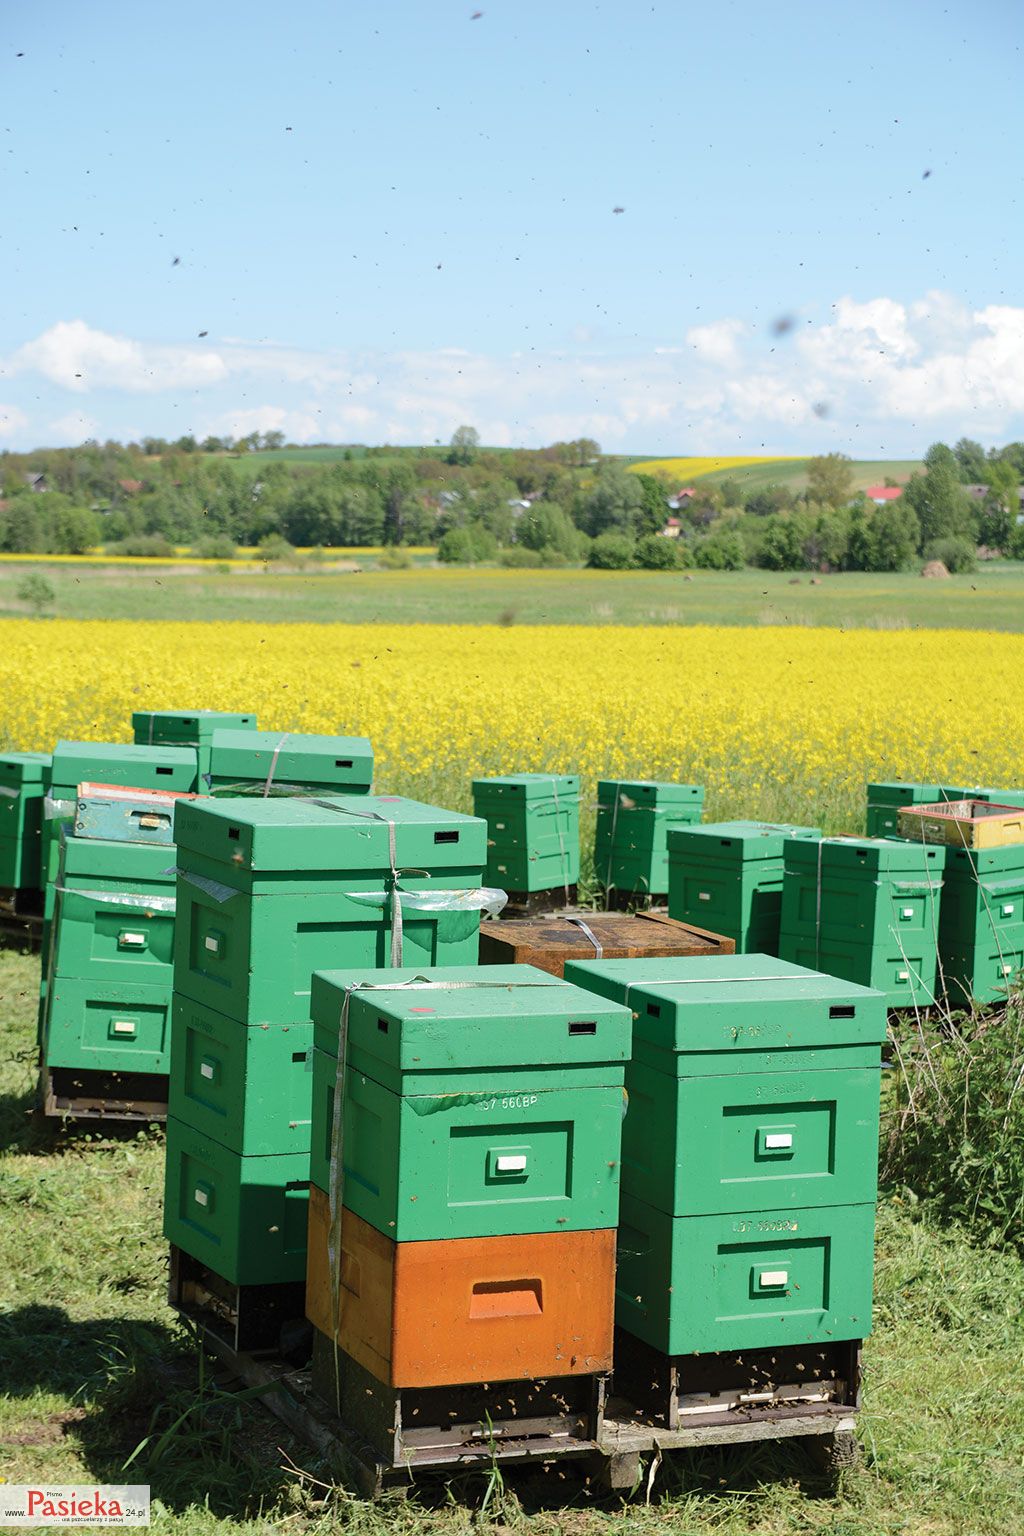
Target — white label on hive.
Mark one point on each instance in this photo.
(703, 895)
(1008, 909)
(908, 911)
(902, 975)
(124, 1026)
(773, 1277)
(776, 1140)
(213, 944)
(134, 939)
(201, 1197)
(510, 1164)
(206, 1070)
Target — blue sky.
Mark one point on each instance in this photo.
(390, 219)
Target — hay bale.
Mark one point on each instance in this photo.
(935, 570)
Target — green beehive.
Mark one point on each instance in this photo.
(114, 917)
(248, 1088)
(485, 1103)
(750, 1081)
(189, 728)
(885, 800)
(108, 1026)
(634, 818)
(533, 830)
(750, 1149)
(24, 781)
(981, 922)
(862, 891)
(126, 816)
(243, 1217)
(747, 1280)
(244, 762)
(271, 890)
(727, 876)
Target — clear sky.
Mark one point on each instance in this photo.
(674, 227)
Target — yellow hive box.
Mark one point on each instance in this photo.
(963, 824)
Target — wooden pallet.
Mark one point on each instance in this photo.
(614, 1457)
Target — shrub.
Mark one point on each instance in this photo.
(36, 591)
(216, 546)
(656, 553)
(553, 559)
(517, 559)
(272, 547)
(957, 555)
(954, 1128)
(148, 546)
(611, 552)
(394, 558)
(467, 545)
(720, 551)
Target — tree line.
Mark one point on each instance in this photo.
(560, 505)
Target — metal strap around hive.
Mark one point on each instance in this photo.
(336, 1177)
(129, 900)
(395, 892)
(585, 928)
(611, 845)
(273, 764)
(561, 840)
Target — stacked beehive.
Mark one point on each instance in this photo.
(269, 890)
(749, 1173)
(108, 985)
(867, 910)
(533, 837)
(189, 728)
(24, 782)
(727, 876)
(165, 769)
(465, 1172)
(981, 923)
(1014, 797)
(634, 818)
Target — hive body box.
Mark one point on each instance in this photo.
(24, 781)
(533, 833)
(749, 1158)
(264, 761)
(970, 823)
(996, 796)
(109, 988)
(981, 922)
(490, 1109)
(634, 818)
(865, 909)
(728, 876)
(550, 942)
(118, 814)
(271, 890)
(885, 800)
(268, 891)
(187, 728)
(480, 1170)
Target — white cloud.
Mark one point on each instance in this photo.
(77, 357)
(718, 342)
(873, 376)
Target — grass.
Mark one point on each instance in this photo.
(758, 474)
(94, 1364)
(993, 598)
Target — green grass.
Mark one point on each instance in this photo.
(94, 1363)
(993, 598)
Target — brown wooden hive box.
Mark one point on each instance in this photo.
(548, 942)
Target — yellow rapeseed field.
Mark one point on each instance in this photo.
(775, 722)
(692, 469)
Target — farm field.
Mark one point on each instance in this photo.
(95, 1366)
(992, 598)
(757, 474)
(781, 723)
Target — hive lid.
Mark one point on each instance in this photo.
(145, 767)
(902, 792)
(528, 786)
(727, 1003)
(291, 759)
(344, 832)
(848, 855)
(1010, 797)
(189, 725)
(645, 792)
(735, 840)
(25, 768)
(471, 1017)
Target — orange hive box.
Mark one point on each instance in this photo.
(461, 1310)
